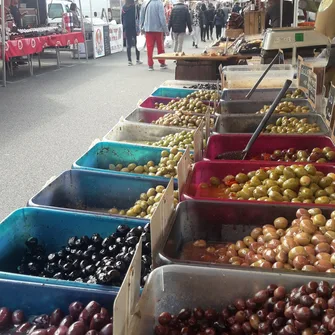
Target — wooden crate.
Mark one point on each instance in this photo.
(254, 22)
(233, 33)
(196, 70)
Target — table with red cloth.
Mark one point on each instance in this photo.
(32, 45)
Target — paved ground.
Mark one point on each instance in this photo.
(48, 121)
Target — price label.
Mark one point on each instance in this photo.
(304, 76)
(330, 106)
(312, 85)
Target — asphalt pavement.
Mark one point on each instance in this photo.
(49, 120)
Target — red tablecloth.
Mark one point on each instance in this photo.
(29, 46)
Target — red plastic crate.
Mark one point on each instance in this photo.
(221, 143)
(203, 171)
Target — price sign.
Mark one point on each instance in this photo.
(330, 106)
(312, 85)
(107, 42)
(303, 76)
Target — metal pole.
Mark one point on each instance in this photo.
(3, 40)
(83, 30)
(91, 14)
(281, 13)
(295, 17)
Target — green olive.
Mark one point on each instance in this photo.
(288, 173)
(215, 181)
(322, 200)
(160, 189)
(290, 194)
(241, 178)
(292, 184)
(325, 181)
(310, 169)
(139, 169)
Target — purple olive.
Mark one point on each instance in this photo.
(61, 330)
(107, 330)
(98, 321)
(32, 329)
(77, 328)
(92, 308)
(67, 321)
(84, 317)
(51, 330)
(42, 321)
(56, 317)
(23, 329)
(39, 332)
(92, 332)
(17, 317)
(5, 317)
(75, 309)
(105, 314)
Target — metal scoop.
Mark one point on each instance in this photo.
(240, 155)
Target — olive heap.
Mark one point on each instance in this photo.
(192, 103)
(306, 244)
(306, 310)
(207, 86)
(167, 166)
(93, 260)
(316, 155)
(295, 183)
(181, 119)
(296, 94)
(286, 107)
(147, 204)
(92, 319)
(292, 125)
(181, 140)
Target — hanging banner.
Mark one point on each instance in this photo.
(98, 42)
(116, 38)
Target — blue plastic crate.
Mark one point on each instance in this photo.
(102, 154)
(37, 298)
(170, 92)
(94, 192)
(52, 228)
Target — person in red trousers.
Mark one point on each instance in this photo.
(153, 23)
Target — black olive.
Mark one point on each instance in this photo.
(33, 267)
(95, 257)
(39, 250)
(79, 253)
(68, 267)
(79, 280)
(58, 275)
(70, 258)
(102, 278)
(87, 254)
(110, 261)
(132, 240)
(147, 227)
(61, 253)
(79, 243)
(113, 250)
(121, 266)
(42, 321)
(144, 280)
(76, 264)
(146, 260)
(73, 251)
(96, 239)
(74, 274)
(67, 249)
(127, 258)
(124, 249)
(123, 229)
(84, 263)
(146, 249)
(90, 269)
(120, 240)
(40, 259)
(32, 242)
(135, 232)
(86, 239)
(103, 252)
(61, 263)
(92, 247)
(146, 237)
(114, 275)
(107, 242)
(21, 269)
(72, 241)
(92, 280)
(52, 258)
(120, 256)
(98, 271)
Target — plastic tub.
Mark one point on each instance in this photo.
(245, 76)
(172, 92)
(248, 123)
(186, 83)
(139, 133)
(52, 228)
(151, 115)
(203, 171)
(251, 107)
(171, 288)
(93, 192)
(218, 223)
(218, 144)
(102, 154)
(259, 95)
(37, 298)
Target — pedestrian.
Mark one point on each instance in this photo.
(75, 17)
(237, 8)
(14, 10)
(226, 11)
(196, 24)
(95, 14)
(179, 19)
(203, 22)
(130, 15)
(153, 23)
(272, 16)
(210, 13)
(219, 20)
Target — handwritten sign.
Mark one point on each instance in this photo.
(106, 40)
(303, 76)
(330, 106)
(312, 86)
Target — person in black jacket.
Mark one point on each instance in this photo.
(130, 18)
(203, 22)
(210, 12)
(180, 17)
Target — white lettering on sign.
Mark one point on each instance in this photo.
(283, 39)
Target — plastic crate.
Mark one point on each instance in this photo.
(102, 154)
(203, 171)
(52, 228)
(93, 192)
(218, 144)
(41, 298)
(172, 92)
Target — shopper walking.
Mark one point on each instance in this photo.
(219, 21)
(203, 22)
(180, 17)
(130, 15)
(196, 13)
(210, 13)
(153, 23)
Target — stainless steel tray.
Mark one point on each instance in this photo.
(248, 123)
(139, 133)
(221, 223)
(259, 95)
(149, 115)
(251, 107)
(173, 287)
